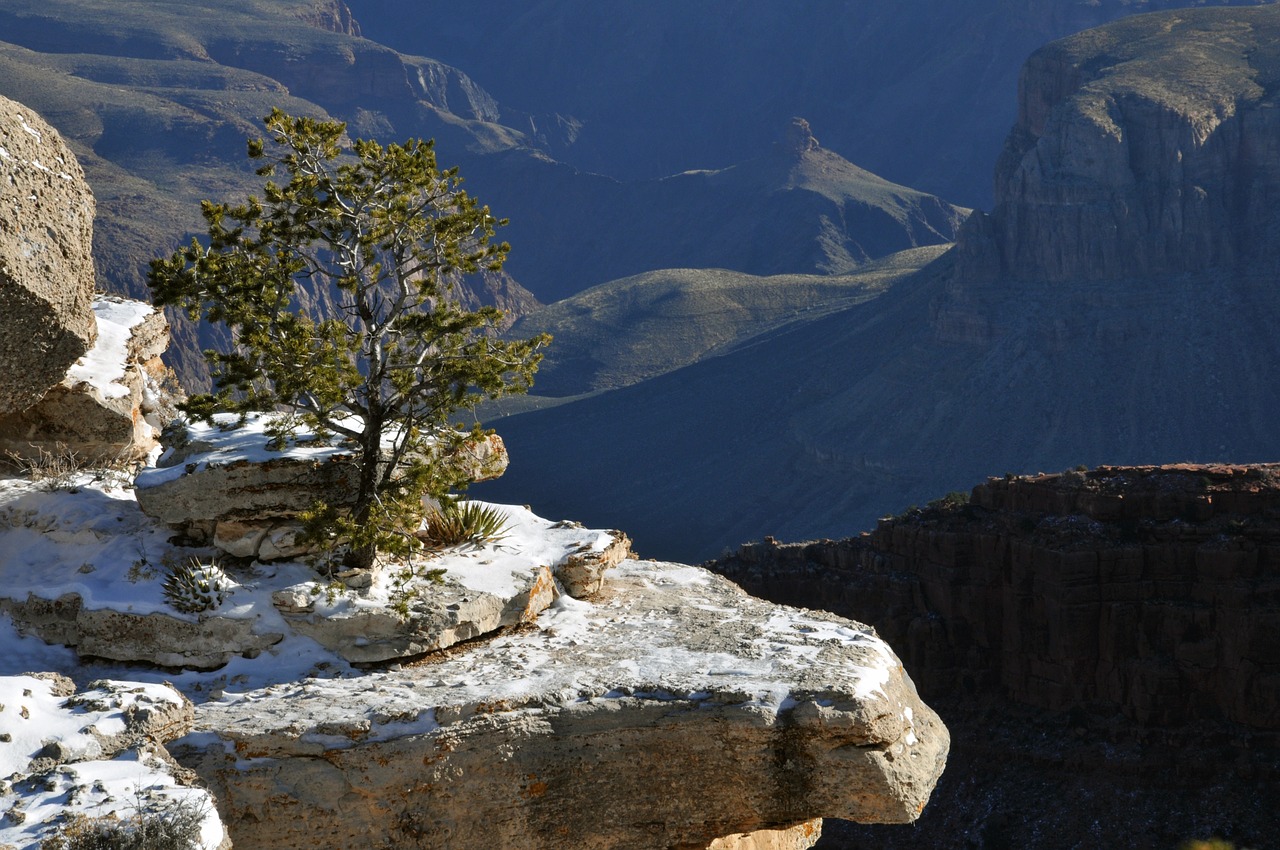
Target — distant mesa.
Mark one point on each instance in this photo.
(1139, 150)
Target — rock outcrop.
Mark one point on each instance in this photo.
(163, 638)
(1143, 148)
(672, 711)
(668, 711)
(112, 403)
(1146, 590)
(88, 570)
(1104, 635)
(46, 263)
(225, 486)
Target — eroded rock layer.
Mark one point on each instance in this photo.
(1154, 591)
(670, 712)
(1142, 148)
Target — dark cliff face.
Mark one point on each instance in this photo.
(1105, 640)
(1154, 591)
(1143, 148)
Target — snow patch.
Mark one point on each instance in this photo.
(30, 130)
(103, 367)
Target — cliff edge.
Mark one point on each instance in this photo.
(1142, 148)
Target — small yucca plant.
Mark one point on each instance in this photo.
(456, 523)
(193, 587)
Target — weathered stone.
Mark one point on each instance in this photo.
(99, 410)
(582, 573)
(1145, 589)
(254, 495)
(802, 836)
(169, 641)
(672, 711)
(46, 264)
(394, 612)
(443, 615)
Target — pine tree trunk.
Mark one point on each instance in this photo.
(362, 557)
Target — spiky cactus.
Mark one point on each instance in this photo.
(193, 587)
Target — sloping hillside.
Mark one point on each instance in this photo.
(920, 91)
(962, 371)
(157, 97)
(630, 330)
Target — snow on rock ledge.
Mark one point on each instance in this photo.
(84, 567)
(671, 711)
(222, 484)
(110, 404)
(96, 754)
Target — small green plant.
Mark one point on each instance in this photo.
(141, 570)
(193, 587)
(175, 826)
(63, 468)
(407, 585)
(456, 523)
(333, 590)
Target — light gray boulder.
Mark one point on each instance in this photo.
(671, 711)
(482, 589)
(46, 262)
(206, 642)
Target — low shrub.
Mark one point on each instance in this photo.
(456, 523)
(175, 826)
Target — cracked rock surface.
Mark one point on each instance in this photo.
(668, 712)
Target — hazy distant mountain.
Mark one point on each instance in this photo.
(796, 208)
(158, 96)
(1116, 307)
(636, 328)
(920, 91)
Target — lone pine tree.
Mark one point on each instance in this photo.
(389, 234)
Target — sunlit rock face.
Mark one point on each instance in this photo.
(671, 711)
(46, 263)
(112, 402)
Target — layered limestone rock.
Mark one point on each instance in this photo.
(112, 403)
(46, 265)
(1147, 590)
(86, 569)
(1146, 147)
(481, 591)
(223, 484)
(95, 754)
(671, 712)
(166, 639)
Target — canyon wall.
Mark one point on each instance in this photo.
(1140, 150)
(1153, 591)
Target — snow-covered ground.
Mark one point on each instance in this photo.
(103, 366)
(662, 632)
(85, 535)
